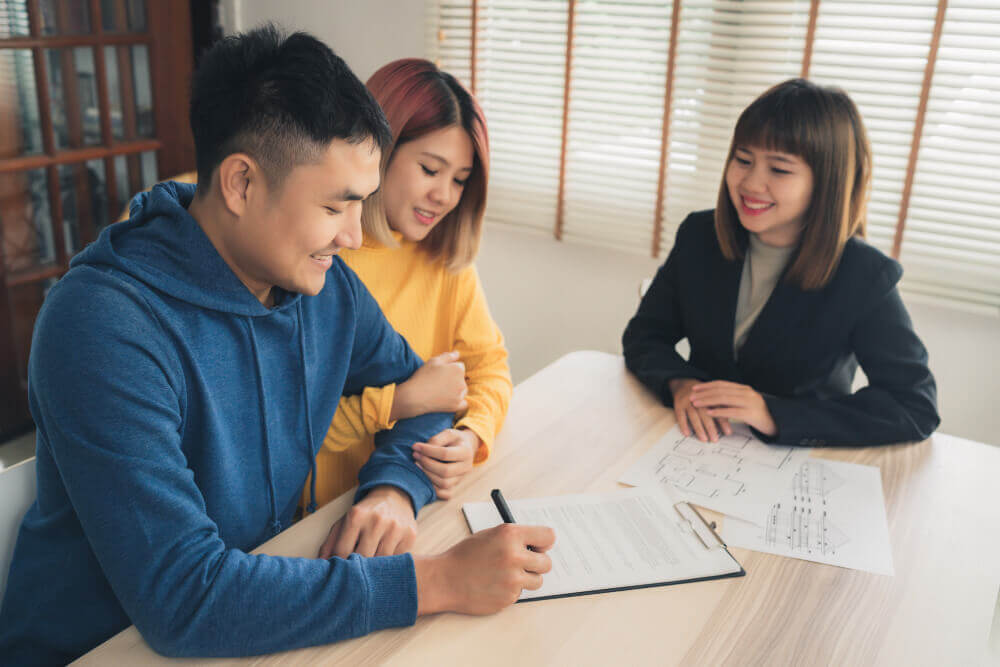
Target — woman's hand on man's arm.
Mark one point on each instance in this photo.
(437, 386)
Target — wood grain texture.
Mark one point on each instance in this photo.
(575, 427)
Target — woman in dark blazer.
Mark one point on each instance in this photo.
(780, 297)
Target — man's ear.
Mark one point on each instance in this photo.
(239, 175)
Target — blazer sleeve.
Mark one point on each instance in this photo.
(359, 417)
(898, 405)
(649, 339)
(480, 344)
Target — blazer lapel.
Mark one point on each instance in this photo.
(725, 286)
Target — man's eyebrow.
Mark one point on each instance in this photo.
(350, 195)
(345, 195)
(442, 160)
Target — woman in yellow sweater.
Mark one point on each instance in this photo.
(422, 232)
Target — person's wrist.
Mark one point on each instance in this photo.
(770, 427)
(389, 493)
(400, 402)
(677, 384)
(433, 589)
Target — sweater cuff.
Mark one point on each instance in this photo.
(392, 591)
(483, 432)
(377, 407)
(413, 484)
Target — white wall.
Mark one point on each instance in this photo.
(365, 33)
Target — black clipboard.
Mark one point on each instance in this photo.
(688, 520)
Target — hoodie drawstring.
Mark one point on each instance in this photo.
(311, 507)
(275, 524)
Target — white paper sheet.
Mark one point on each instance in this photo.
(737, 475)
(630, 537)
(833, 512)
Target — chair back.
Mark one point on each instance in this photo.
(17, 493)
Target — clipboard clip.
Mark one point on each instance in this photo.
(705, 531)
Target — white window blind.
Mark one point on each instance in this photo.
(951, 245)
(448, 36)
(522, 51)
(615, 122)
(877, 53)
(726, 53)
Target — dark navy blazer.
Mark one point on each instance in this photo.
(803, 350)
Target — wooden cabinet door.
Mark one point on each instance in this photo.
(93, 108)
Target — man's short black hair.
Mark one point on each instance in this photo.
(279, 99)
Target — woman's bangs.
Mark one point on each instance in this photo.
(778, 121)
(771, 133)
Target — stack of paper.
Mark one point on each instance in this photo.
(777, 499)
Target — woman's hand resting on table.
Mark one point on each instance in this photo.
(705, 408)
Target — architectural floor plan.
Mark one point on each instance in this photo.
(737, 475)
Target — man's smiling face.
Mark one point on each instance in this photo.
(288, 235)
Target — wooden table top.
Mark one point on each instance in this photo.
(575, 427)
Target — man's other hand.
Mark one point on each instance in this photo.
(380, 524)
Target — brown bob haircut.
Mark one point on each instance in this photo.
(418, 98)
(823, 127)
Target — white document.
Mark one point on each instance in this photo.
(737, 475)
(624, 539)
(832, 512)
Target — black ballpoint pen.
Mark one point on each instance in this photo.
(504, 509)
(502, 506)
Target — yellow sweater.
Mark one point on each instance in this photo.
(436, 311)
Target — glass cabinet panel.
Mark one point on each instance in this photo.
(14, 19)
(20, 127)
(65, 17)
(84, 194)
(129, 91)
(76, 117)
(150, 176)
(25, 220)
(143, 91)
(123, 15)
(133, 174)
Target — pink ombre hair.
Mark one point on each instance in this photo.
(418, 98)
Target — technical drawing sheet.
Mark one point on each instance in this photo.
(832, 512)
(738, 475)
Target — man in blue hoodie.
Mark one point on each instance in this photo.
(183, 374)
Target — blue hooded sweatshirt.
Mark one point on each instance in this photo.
(177, 421)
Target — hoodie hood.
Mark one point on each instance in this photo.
(164, 247)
